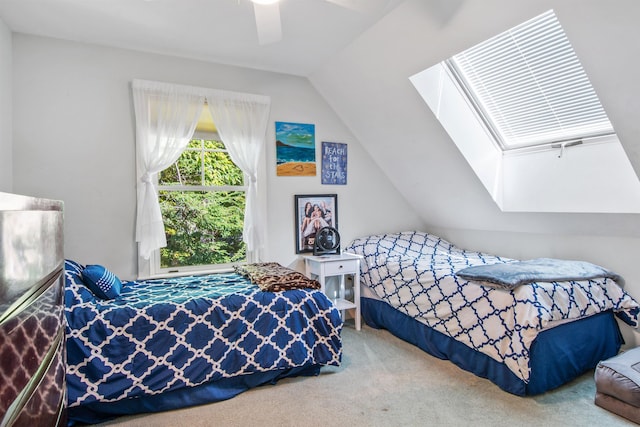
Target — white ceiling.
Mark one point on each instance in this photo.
(220, 31)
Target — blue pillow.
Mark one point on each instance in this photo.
(103, 283)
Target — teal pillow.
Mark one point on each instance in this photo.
(103, 283)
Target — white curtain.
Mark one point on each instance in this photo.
(166, 117)
(241, 120)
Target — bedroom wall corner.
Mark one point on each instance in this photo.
(6, 100)
(367, 204)
(82, 151)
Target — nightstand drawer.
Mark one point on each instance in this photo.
(339, 267)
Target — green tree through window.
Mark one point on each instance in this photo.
(202, 199)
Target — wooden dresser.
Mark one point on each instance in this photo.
(32, 341)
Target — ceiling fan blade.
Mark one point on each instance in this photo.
(268, 22)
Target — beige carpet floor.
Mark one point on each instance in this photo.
(384, 381)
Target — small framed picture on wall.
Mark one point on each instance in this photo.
(334, 163)
(312, 212)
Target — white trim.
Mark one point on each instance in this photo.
(202, 188)
(262, 103)
(224, 268)
(150, 269)
(606, 139)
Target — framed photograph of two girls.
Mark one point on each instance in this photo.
(312, 212)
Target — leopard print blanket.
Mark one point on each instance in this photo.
(273, 277)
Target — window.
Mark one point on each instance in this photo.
(529, 87)
(202, 199)
(512, 104)
(166, 119)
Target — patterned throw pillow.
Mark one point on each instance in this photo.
(102, 282)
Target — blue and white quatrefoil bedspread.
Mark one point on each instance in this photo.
(161, 335)
(415, 273)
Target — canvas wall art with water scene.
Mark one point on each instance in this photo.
(295, 149)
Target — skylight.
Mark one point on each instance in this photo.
(529, 87)
(535, 101)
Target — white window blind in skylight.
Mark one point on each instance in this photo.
(530, 87)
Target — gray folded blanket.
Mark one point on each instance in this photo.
(512, 274)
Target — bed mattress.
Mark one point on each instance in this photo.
(415, 273)
(165, 335)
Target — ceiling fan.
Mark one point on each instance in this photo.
(267, 13)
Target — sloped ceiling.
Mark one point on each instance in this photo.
(221, 31)
(361, 63)
(367, 84)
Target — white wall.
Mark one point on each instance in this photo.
(591, 177)
(451, 107)
(81, 147)
(6, 182)
(368, 85)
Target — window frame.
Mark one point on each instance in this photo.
(474, 99)
(593, 177)
(155, 269)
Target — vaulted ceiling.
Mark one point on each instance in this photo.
(360, 61)
(222, 31)
(367, 84)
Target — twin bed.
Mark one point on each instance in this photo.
(526, 336)
(170, 343)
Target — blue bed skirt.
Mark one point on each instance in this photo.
(205, 393)
(558, 355)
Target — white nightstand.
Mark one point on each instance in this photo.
(324, 266)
